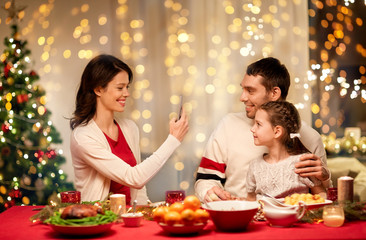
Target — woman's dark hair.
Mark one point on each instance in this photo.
(273, 73)
(98, 73)
(285, 114)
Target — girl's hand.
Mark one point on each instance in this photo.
(179, 128)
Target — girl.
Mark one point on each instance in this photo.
(276, 126)
(105, 149)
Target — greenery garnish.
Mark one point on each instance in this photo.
(99, 219)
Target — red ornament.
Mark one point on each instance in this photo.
(5, 127)
(21, 98)
(51, 154)
(5, 151)
(33, 73)
(7, 68)
(15, 193)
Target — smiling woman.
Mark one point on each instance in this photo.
(105, 149)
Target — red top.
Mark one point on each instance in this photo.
(121, 149)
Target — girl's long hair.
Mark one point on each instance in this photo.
(285, 114)
(98, 73)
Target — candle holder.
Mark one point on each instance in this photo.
(333, 215)
(70, 197)
(332, 194)
(174, 196)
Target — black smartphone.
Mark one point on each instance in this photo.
(180, 106)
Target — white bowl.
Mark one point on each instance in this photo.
(231, 215)
(132, 219)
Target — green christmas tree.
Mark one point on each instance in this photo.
(29, 164)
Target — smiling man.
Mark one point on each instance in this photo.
(224, 165)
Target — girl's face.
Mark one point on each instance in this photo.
(113, 96)
(263, 131)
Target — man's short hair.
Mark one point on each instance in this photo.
(273, 73)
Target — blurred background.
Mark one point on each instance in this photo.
(200, 49)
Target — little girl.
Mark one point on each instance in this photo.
(276, 126)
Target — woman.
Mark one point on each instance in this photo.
(105, 149)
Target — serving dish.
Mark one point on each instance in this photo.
(178, 229)
(311, 206)
(82, 230)
(231, 215)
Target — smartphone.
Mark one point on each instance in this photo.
(180, 106)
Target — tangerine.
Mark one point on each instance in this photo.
(176, 207)
(201, 216)
(188, 216)
(172, 217)
(159, 213)
(192, 202)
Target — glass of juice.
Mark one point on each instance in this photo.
(333, 216)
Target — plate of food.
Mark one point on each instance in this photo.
(183, 229)
(81, 219)
(81, 230)
(311, 201)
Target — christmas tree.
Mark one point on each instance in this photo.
(29, 164)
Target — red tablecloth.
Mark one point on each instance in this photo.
(15, 224)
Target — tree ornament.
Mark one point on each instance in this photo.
(5, 151)
(5, 128)
(7, 68)
(10, 80)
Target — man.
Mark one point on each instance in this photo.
(223, 168)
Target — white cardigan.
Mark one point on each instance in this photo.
(95, 165)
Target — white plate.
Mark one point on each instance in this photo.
(313, 205)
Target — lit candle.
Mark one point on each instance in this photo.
(345, 189)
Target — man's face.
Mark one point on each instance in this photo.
(254, 94)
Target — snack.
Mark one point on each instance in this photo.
(307, 198)
(186, 213)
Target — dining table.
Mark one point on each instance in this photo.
(15, 224)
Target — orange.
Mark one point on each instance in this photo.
(159, 213)
(176, 207)
(188, 216)
(172, 217)
(192, 202)
(201, 216)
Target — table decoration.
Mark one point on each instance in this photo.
(353, 211)
(345, 189)
(333, 216)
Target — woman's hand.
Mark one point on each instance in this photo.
(179, 128)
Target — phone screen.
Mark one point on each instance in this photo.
(180, 106)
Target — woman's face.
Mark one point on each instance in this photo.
(262, 130)
(113, 96)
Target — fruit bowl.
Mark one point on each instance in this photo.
(180, 229)
(231, 216)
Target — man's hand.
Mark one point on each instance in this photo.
(310, 165)
(216, 194)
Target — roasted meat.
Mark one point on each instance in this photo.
(80, 211)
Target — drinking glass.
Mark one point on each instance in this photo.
(332, 194)
(174, 196)
(333, 215)
(70, 197)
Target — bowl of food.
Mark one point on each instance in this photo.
(132, 219)
(231, 216)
